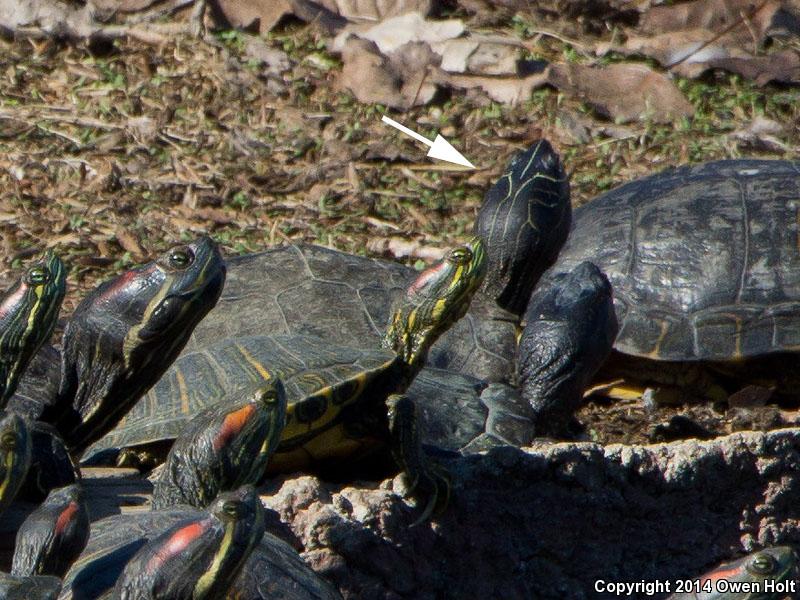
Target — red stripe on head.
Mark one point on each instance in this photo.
(232, 425)
(724, 573)
(128, 279)
(424, 277)
(177, 543)
(10, 303)
(65, 518)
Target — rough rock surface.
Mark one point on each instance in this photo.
(548, 521)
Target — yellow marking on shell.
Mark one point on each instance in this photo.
(182, 391)
(208, 578)
(295, 429)
(253, 362)
(654, 353)
(335, 443)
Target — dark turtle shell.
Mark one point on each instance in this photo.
(704, 260)
(315, 291)
(317, 375)
(273, 571)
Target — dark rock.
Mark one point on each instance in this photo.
(548, 521)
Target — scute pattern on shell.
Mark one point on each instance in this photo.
(704, 260)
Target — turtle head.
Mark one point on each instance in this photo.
(126, 333)
(524, 220)
(15, 455)
(242, 516)
(199, 557)
(53, 536)
(223, 447)
(28, 315)
(777, 563)
(439, 297)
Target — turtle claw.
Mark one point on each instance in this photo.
(426, 481)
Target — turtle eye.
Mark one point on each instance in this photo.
(231, 509)
(9, 440)
(180, 257)
(460, 255)
(763, 563)
(37, 275)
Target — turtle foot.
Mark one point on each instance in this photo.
(425, 480)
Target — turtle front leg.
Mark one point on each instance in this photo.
(428, 482)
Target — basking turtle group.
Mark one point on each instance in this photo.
(318, 359)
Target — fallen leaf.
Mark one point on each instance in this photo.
(622, 92)
(392, 33)
(376, 10)
(369, 75)
(508, 90)
(129, 243)
(246, 13)
(760, 134)
(480, 58)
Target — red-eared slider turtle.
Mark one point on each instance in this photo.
(273, 570)
(53, 535)
(336, 393)
(198, 558)
(15, 456)
(119, 341)
(49, 540)
(315, 291)
(223, 447)
(771, 574)
(703, 261)
(28, 315)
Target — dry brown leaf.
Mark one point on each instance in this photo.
(369, 75)
(761, 134)
(376, 10)
(129, 243)
(738, 20)
(508, 90)
(130, 6)
(622, 92)
(245, 13)
(412, 63)
(392, 33)
(480, 58)
(781, 67)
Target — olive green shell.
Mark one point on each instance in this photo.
(273, 572)
(314, 373)
(310, 290)
(704, 260)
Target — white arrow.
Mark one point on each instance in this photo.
(440, 147)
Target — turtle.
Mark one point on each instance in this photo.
(15, 455)
(200, 557)
(48, 541)
(118, 342)
(273, 570)
(702, 260)
(223, 447)
(336, 393)
(53, 535)
(311, 290)
(28, 314)
(771, 574)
